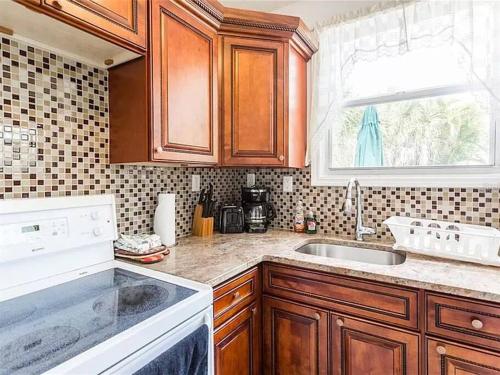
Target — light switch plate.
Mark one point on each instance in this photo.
(288, 184)
(195, 182)
(250, 179)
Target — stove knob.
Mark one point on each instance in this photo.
(97, 232)
(94, 215)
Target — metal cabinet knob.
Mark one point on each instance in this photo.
(477, 324)
(254, 310)
(236, 295)
(281, 158)
(159, 149)
(340, 322)
(57, 4)
(441, 350)
(317, 316)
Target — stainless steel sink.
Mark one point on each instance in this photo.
(357, 254)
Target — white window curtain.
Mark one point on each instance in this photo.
(470, 27)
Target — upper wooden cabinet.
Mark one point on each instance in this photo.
(123, 22)
(164, 108)
(210, 68)
(264, 99)
(184, 85)
(253, 102)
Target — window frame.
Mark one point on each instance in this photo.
(324, 174)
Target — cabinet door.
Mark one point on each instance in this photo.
(238, 344)
(444, 358)
(124, 19)
(295, 338)
(253, 110)
(184, 85)
(361, 347)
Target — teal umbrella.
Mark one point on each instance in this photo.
(369, 150)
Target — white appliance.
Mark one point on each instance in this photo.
(67, 307)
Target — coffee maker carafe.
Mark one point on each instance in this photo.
(258, 211)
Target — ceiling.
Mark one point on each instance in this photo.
(260, 5)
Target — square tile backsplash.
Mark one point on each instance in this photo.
(54, 141)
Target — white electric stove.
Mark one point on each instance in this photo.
(67, 307)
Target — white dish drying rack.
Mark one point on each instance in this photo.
(472, 243)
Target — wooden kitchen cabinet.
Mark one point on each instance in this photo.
(361, 347)
(295, 338)
(165, 109)
(253, 102)
(264, 95)
(123, 22)
(238, 343)
(446, 358)
(238, 325)
(264, 103)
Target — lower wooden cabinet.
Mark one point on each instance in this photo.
(237, 343)
(445, 358)
(295, 338)
(362, 347)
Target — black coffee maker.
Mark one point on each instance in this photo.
(258, 211)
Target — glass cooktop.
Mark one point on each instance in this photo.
(41, 330)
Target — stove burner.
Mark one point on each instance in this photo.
(11, 313)
(129, 300)
(35, 346)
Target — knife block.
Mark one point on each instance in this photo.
(202, 226)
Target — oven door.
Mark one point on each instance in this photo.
(186, 350)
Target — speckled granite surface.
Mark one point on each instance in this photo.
(217, 259)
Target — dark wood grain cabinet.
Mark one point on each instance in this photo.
(447, 358)
(237, 343)
(184, 53)
(264, 103)
(122, 22)
(238, 325)
(164, 107)
(372, 328)
(295, 338)
(363, 347)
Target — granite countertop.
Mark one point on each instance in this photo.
(216, 259)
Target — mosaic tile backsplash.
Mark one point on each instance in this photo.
(54, 140)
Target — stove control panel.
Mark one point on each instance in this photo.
(26, 233)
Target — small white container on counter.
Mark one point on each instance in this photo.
(472, 243)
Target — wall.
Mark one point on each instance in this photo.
(54, 140)
(473, 206)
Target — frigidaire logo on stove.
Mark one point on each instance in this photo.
(36, 249)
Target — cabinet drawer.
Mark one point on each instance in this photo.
(235, 294)
(395, 305)
(465, 320)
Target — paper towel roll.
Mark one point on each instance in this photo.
(164, 220)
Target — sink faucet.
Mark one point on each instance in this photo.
(361, 230)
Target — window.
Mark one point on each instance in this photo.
(435, 119)
(408, 103)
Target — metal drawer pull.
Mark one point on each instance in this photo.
(441, 350)
(477, 324)
(340, 322)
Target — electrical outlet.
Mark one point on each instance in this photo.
(195, 182)
(250, 179)
(288, 184)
